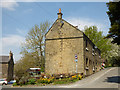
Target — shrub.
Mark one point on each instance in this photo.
(60, 82)
(39, 80)
(23, 80)
(66, 80)
(51, 79)
(32, 81)
(20, 83)
(15, 84)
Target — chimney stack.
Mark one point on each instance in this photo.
(10, 55)
(59, 14)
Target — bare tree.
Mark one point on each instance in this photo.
(34, 43)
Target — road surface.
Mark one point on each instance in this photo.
(108, 78)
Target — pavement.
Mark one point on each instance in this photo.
(107, 78)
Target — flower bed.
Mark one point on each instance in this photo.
(48, 80)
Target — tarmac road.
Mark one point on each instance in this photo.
(108, 78)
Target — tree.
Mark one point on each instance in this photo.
(22, 66)
(32, 52)
(115, 61)
(114, 16)
(34, 44)
(98, 39)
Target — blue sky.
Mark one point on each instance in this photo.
(19, 17)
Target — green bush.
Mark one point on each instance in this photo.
(114, 61)
(32, 81)
(23, 80)
(60, 82)
(15, 84)
(105, 66)
(39, 81)
(21, 83)
(66, 80)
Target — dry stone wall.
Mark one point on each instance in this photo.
(62, 44)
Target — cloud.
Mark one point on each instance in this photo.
(12, 40)
(13, 43)
(21, 32)
(82, 22)
(9, 4)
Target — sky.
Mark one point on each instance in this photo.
(19, 17)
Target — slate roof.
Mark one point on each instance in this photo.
(4, 59)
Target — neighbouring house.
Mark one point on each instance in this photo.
(7, 66)
(68, 50)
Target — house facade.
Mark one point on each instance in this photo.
(63, 43)
(7, 66)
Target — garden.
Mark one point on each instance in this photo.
(47, 79)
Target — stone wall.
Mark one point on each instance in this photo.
(60, 56)
(62, 44)
(4, 70)
(10, 70)
(0, 70)
(98, 60)
(7, 70)
(92, 54)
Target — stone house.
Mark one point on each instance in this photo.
(63, 43)
(7, 66)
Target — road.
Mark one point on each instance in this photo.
(107, 78)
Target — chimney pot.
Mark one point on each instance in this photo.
(59, 10)
(59, 14)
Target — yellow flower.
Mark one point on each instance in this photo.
(80, 76)
(48, 80)
(74, 76)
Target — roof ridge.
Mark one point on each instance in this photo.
(72, 25)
